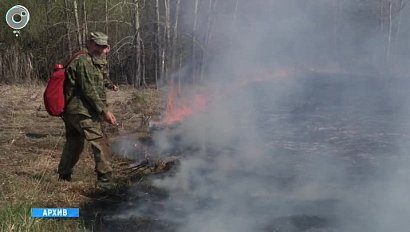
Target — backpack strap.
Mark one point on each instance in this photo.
(75, 56)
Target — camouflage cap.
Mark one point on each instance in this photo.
(99, 38)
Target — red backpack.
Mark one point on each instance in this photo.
(54, 100)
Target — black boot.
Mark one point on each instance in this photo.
(64, 177)
(104, 177)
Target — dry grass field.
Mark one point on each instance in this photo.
(31, 142)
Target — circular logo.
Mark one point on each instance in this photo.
(17, 17)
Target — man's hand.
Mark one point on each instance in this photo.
(115, 88)
(110, 118)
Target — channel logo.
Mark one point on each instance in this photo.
(17, 17)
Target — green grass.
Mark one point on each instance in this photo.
(17, 217)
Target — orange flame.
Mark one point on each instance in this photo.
(178, 109)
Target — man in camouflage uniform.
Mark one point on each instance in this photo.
(86, 108)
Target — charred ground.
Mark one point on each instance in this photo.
(336, 143)
(349, 122)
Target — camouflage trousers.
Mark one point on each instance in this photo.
(80, 128)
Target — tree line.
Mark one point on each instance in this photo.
(152, 41)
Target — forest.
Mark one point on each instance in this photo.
(154, 41)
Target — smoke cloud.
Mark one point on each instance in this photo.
(298, 134)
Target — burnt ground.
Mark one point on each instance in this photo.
(355, 123)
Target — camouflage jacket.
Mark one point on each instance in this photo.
(84, 86)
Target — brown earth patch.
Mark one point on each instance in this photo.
(31, 142)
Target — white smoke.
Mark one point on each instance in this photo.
(301, 153)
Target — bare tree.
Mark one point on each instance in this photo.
(143, 67)
(137, 43)
(106, 17)
(77, 24)
(167, 39)
(159, 58)
(401, 6)
(194, 32)
(84, 27)
(390, 27)
(175, 36)
(68, 30)
(208, 36)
